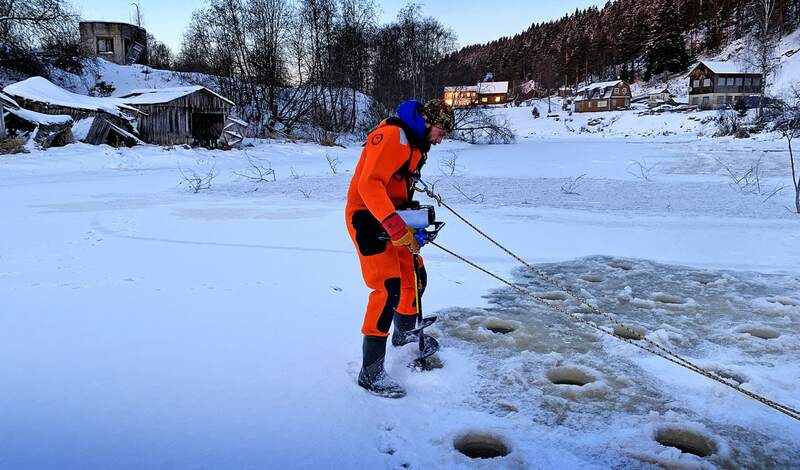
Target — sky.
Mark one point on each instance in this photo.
(473, 21)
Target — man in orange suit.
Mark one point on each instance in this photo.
(383, 183)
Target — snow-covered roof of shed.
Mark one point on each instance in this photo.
(594, 86)
(452, 89)
(41, 90)
(487, 88)
(8, 101)
(722, 67)
(165, 95)
(39, 118)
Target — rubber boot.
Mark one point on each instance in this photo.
(373, 376)
(402, 325)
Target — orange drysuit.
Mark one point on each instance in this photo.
(381, 184)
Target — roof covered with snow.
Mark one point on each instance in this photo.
(724, 66)
(41, 90)
(39, 118)
(145, 96)
(8, 101)
(489, 88)
(451, 89)
(598, 85)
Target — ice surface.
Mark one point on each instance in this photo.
(537, 369)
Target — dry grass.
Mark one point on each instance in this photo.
(12, 145)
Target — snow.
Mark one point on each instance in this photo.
(164, 95)
(152, 327)
(8, 101)
(80, 130)
(39, 118)
(723, 67)
(599, 85)
(488, 88)
(41, 90)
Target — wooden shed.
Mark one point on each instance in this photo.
(191, 115)
(46, 130)
(37, 94)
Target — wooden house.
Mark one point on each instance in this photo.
(180, 115)
(460, 96)
(484, 93)
(492, 93)
(603, 96)
(713, 84)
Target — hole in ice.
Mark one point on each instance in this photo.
(502, 327)
(762, 332)
(502, 330)
(669, 299)
(629, 331)
(553, 295)
(621, 264)
(593, 278)
(481, 445)
(686, 441)
(569, 376)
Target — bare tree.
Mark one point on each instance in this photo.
(642, 170)
(748, 179)
(197, 180)
(258, 171)
(478, 125)
(789, 127)
(333, 162)
(571, 185)
(449, 165)
(761, 45)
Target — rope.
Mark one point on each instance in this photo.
(649, 345)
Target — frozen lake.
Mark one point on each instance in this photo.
(145, 326)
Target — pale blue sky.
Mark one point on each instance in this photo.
(473, 21)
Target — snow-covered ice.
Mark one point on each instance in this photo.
(145, 326)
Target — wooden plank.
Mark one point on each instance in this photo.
(2, 122)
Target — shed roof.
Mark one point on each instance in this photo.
(39, 118)
(144, 96)
(488, 88)
(42, 90)
(8, 101)
(452, 89)
(595, 86)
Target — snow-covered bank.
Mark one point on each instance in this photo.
(155, 328)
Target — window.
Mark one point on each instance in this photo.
(602, 104)
(729, 99)
(720, 99)
(497, 99)
(484, 100)
(739, 81)
(616, 91)
(696, 83)
(105, 45)
(706, 100)
(730, 81)
(748, 81)
(706, 82)
(695, 100)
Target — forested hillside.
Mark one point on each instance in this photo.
(629, 39)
